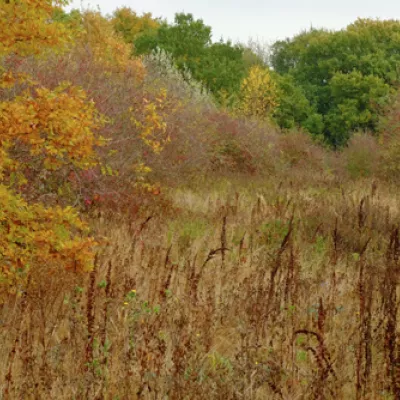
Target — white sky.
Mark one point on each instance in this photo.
(267, 20)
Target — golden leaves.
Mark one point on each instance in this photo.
(56, 124)
(32, 234)
(258, 93)
(151, 122)
(25, 27)
(107, 47)
(53, 127)
(130, 25)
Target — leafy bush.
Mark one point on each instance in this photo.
(390, 143)
(218, 66)
(361, 156)
(42, 131)
(127, 23)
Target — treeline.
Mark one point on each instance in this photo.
(329, 83)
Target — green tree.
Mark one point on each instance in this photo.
(317, 60)
(186, 40)
(294, 109)
(73, 20)
(357, 103)
(222, 68)
(219, 66)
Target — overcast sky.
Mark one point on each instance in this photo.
(267, 20)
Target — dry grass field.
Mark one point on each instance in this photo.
(269, 290)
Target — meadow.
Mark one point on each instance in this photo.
(165, 239)
(264, 290)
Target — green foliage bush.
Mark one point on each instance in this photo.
(390, 143)
(361, 157)
(294, 109)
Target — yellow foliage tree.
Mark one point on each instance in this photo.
(52, 127)
(93, 35)
(24, 27)
(130, 25)
(258, 94)
(31, 235)
(106, 45)
(55, 127)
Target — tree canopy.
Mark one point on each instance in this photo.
(347, 75)
(219, 66)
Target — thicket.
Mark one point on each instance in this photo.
(330, 83)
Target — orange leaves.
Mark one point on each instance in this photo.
(50, 128)
(9, 79)
(32, 234)
(130, 25)
(107, 46)
(58, 125)
(151, 122)
(25, 27)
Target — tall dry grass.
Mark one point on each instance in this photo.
(249, 291)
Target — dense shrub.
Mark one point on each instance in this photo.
(390, 143)
(361, 156)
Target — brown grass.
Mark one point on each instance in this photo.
(278, 292)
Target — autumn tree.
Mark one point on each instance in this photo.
(41, 131)
(135, 107)
(258, 94)
(131, 25)
(73, 20)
